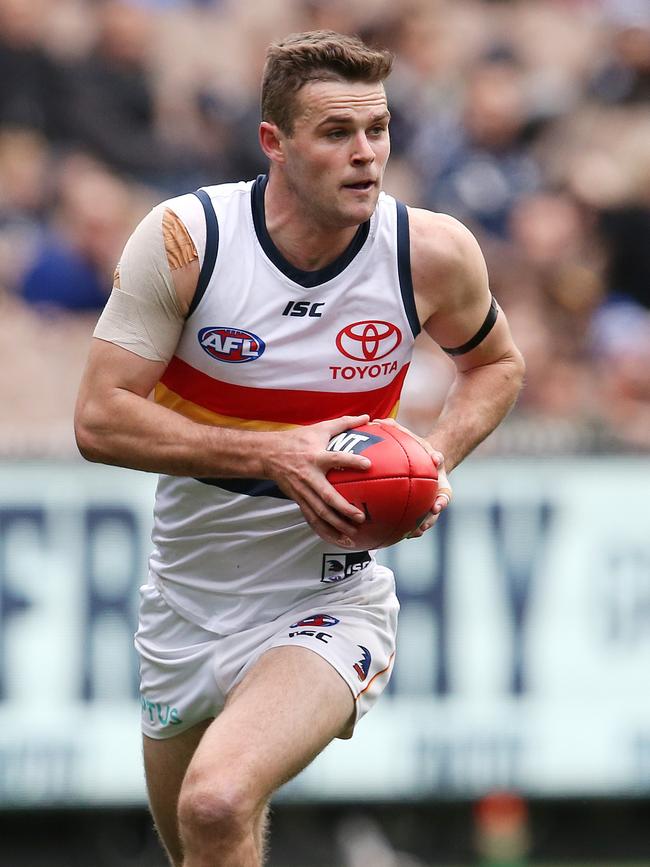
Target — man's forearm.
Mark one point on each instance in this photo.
(128, 430)
(478, 401)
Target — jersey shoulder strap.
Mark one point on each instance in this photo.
(211, 249)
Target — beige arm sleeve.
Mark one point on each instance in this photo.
(143, 313)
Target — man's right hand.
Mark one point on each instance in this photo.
(298, 462)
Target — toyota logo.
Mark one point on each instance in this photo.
(368, 340)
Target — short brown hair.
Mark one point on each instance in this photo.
(316, 55)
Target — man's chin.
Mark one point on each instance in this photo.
(359, 212)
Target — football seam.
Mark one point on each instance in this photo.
(410, 477)
(410, 466)
(383, 479)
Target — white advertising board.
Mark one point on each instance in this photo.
(523, 657)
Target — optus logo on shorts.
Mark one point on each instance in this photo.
(160, 714)
(232, 345)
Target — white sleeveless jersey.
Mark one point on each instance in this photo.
(267, 346)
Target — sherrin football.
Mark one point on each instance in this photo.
(396, 492)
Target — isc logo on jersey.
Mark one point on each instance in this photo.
(232, 345)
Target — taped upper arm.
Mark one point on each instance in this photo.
(154, 284)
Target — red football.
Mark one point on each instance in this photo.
(396, 492)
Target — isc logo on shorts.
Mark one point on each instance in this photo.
(338, 567)
(232, 345)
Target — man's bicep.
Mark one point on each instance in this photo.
(464, 309)
(466, 320)
(106, 405)
(496, 346)
(111, 367)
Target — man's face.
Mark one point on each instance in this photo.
(336, 156)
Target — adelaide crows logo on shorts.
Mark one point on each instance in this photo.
(362, 667)
(316, 620)
(338, 567)
(232, 345)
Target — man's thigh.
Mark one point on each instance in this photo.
(284, 712)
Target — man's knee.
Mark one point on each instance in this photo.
(215, 812)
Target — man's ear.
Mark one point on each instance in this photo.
(272, 141)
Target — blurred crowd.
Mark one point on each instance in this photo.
(528, 120)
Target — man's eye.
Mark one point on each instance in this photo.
(336, 133)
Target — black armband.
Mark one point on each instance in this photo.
(480, 335)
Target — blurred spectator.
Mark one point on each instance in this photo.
(626, 232)
(72, 264)
(620, 340)
(111, 109)
(226, 146)
(624, 74)
(30, 83)
(481, 165)
(24, 198)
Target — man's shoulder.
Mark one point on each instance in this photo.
(214, 191)
(447, 264)
(440, 241)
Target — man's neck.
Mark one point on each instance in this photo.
(303, 241)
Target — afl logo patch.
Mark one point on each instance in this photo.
(232, 345)
(316, 620)
(368, 340)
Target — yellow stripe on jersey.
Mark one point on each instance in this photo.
(168, 398)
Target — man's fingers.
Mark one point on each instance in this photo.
(339, 505)
(442, 500)
(343, 461)
(428, 522)
(338, 425)
(328, 523)
(328, 510)
(323, 529)
(437, 456)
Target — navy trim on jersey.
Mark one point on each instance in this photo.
(251, 487)
(308, 279)
(211, 249)
(404, 268)
(480, 335)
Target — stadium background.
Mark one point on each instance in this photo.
(517, 726)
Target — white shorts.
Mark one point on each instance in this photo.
(186, 672)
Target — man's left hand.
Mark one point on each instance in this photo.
(444, 492)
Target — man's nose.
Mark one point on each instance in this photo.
(362, 153)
